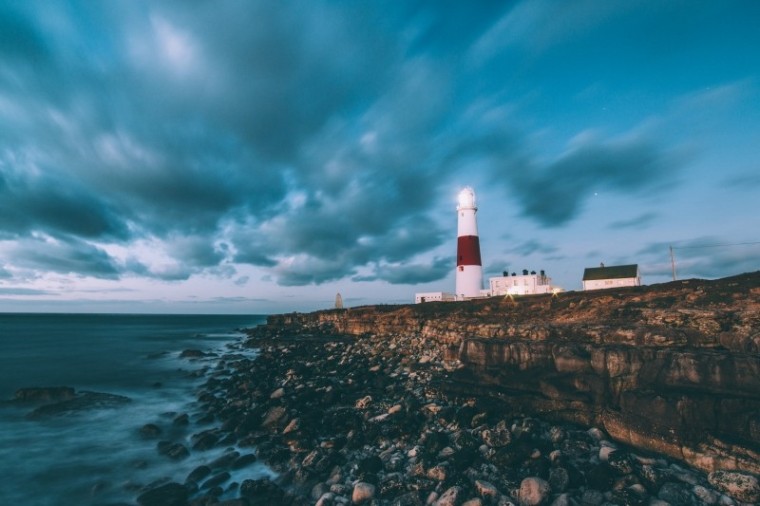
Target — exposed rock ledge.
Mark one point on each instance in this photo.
(672, 368)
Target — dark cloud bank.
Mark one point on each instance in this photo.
(310, 139)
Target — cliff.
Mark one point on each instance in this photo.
(672, 368)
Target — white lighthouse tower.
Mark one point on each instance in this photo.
(469, 266)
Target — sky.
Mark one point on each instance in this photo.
(262, 156)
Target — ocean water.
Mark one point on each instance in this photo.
(97, 456)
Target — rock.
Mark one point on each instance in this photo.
(557, 434)
(325, 499)
(261, 491)
(473, 502)
(150, 430)
(274, 417)
(205, 440)
(651, 477)
(170, 494)
(175, 451)
(559, 479)
(486, 490)
(451, 497)
(370, 464)
(620, 462)
(43, 394)
(181, 420)
(705, 495)
(498, 437)
(741, 486)
(197, 474)
(277, 393)
(604, 453)
(215, 480)
(561, 500)
(533, 491)
(675, 493)
(192, 354)
(224, 461)
(81, 402)
(244, 461)
(592, 497)
(438, 473)
(364, 402)
(293, 426)
(363, 492)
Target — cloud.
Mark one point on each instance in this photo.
(23, 291)
(637, 222)
(189, 128)
(537, 25)
(533, 246)
(553, 193)
(313, 141)
(63, 256)
(715, 98)
(303, 270)
(747, 181)
(409, 274)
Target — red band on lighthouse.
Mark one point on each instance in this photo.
(468, 250)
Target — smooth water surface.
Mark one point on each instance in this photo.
(96, 456)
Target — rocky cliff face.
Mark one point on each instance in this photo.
(672, 368)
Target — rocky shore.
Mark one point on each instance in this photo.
(368, 420)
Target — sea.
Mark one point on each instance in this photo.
(97, 456)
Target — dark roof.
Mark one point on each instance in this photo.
(610, 272)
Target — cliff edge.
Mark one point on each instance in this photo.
(672, 368)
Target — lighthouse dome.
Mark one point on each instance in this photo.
(467, 198)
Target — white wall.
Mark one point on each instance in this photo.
(520, 285)
(600, 284)
(433, 297)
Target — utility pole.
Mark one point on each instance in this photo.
(673, 262)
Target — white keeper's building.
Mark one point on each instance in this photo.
(529, 283)
(613, 276)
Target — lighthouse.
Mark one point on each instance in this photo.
(469, 267)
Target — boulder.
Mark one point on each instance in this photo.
(44, 394)
(451, 497)
(363, 492)
(533, 491)
(170, 494)
(741, 486)
(150, 430)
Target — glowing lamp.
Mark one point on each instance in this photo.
(467, 198)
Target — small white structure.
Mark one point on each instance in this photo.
(613, 276)
(434, 297)
(529, 283)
